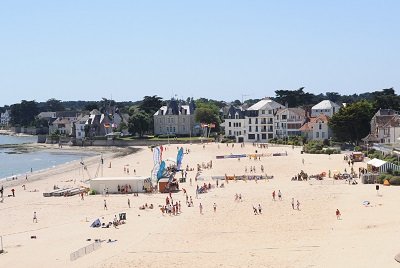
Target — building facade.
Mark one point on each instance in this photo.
(175, 119)
(5, 118)
(234, 123)
(288, 122)
(317, 128)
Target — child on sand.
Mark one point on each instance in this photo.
(34, 217)
(338, 214)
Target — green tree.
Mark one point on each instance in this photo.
(54, 105)
(150, 104)
(352, 123)
(386, 99)
(139, 122)
(91, 106)
(23, 114)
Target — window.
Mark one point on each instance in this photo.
(174, 129)
(230, 133)
(264, 136)
(236, 116)
(317, 134)
(323, 135)
(229, 124)
(284, 117)
(320, 126)
(269, 111)
(249, 128)
(256, 128)
(249, 120)
(251, 136)
(256, 120)
(262, 111)
(183, 127)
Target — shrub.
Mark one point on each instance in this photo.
(381, 178)
(394, 181)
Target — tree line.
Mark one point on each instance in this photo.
(351, 123)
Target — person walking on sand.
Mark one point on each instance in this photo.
(34, 217)
(338, 214)
(273, 195)
(298, 205)
(129, 203)
(13, 192)
(201, 208)
(280, 195)
(105, 205)
(255, 210)
(215, 207)
(292, 203)
(259, 209)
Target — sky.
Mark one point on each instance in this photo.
(226, 50)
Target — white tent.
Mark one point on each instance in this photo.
(381, 165)
(135, 184)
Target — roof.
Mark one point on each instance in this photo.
(370, 138)
(62, 121)
(265, 104)
(322, 117)
(297, 111)
(385, 112)
(376, 162)
(313, 120)
(232, 112)
(325, 104)
(165, 110)
(131, 178)
(67, 114)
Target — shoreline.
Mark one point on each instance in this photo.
(91, 159)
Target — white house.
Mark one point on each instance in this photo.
(317, 128)
(5, 118)
(326, 107)
(234, 123)
(79, 126)
(259, 120)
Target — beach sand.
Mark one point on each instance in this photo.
(231, 237)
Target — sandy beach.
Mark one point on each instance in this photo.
(233, 236)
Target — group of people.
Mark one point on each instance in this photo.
(259, 211)
(279, 195)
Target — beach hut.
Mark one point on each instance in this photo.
(377, 165)
(134, 184)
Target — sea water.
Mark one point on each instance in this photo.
(18, 162)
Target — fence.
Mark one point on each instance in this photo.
(84, 251)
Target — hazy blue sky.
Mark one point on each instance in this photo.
(85, 50)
